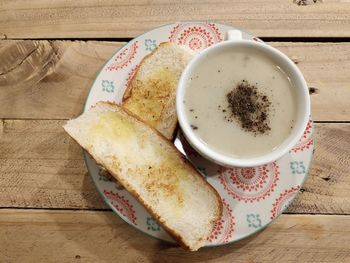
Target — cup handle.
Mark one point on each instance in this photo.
(233, 35)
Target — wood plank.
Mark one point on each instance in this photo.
(85, 236)
(51, 79)
(44, 79)
(327, 187)
(115, 19)
(42, 167)
(324, 66)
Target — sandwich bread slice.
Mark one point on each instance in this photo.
(152, 90)
(152, 170)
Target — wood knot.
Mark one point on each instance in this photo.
(306, 2)
(326, 178)
(27, 60)
(3, 36)
(313, 90)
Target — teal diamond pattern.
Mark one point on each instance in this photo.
(107, 86)
(152, 224)
(298, 167)
(150, 44)
(102, 176)
(254, 220)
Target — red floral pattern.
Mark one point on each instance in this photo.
(122, 205)
(250, 184)
(283, 200)
(307, 132)
(124, 57)
(197, 36)
(303, 145)
(224, 227)
(94, 105)
(130, 75)
(306, 141)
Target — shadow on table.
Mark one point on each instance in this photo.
(106, 238)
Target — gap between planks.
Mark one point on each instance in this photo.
(265, 39)
(108, 209)
(126, 19)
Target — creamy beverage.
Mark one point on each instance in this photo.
(240, 102)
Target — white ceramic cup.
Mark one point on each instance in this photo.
(303, 103)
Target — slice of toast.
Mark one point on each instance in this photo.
(152, 90)
(152, 170)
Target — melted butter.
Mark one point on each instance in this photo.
(149, 99)
(112, 125)
(163, 181)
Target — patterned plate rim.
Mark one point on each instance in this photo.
(110, 205)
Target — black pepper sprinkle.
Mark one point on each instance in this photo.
(219, 70)
(194, 127)
(191, 110)
(196, 117)
(250, 108)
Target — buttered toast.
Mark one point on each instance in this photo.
(152, 170)
(152, 90)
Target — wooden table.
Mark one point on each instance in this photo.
(50, 53)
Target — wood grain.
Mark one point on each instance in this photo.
(42, 167)
(51, 79)
(43, 82)
(327, 187)
(44, 79)
(115, 19)
(324, 67)
(84, 236)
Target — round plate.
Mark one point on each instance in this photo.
(252, 197)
